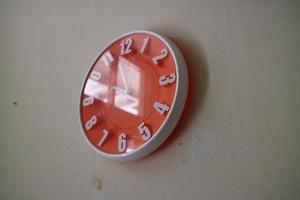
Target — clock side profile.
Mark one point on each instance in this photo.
(133, 96)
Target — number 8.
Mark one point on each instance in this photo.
(89, 124)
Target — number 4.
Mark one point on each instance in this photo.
(161, 108)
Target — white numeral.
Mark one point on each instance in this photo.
(144, 131)
(163, 54)
(164, 80)
(125, 46)
(161, 108)
(89, 124)
(122, 142)
(107, 58)
(146, 40)
(95, 75)
(105, 134)
(88, 101)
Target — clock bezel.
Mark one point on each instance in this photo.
(173, 114)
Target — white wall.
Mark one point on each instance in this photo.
(239, 137)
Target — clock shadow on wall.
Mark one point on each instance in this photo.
(198, 84)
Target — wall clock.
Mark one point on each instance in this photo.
(133, 95)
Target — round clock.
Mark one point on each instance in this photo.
(133, 95)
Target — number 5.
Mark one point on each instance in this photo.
(144, 131)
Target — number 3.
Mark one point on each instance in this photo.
(164, 80)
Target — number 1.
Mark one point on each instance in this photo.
(146, 40)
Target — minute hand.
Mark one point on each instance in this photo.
(123, 77)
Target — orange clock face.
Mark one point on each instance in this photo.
(128, 93)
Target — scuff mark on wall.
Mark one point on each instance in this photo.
(98, 183)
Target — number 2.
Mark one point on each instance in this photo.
(163, 54)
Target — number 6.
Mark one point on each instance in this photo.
(122, 142)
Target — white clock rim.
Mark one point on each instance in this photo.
(173, 115)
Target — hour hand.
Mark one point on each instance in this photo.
(118, 89)
(121, 90)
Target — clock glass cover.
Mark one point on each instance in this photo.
(129, 93)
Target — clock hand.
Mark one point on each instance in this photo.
(123, 77)
(121, 90)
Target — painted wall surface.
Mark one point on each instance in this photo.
(239, 137)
